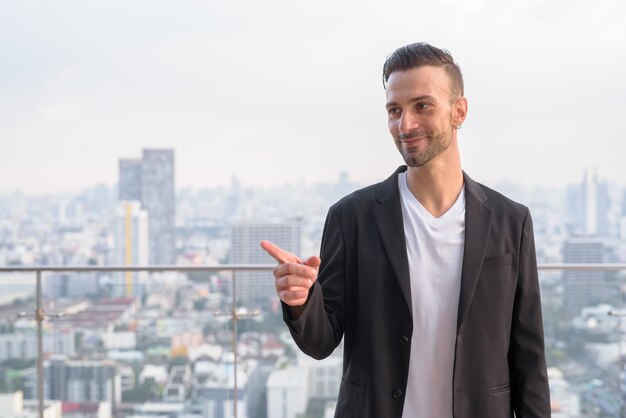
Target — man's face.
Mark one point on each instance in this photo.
(421, 113)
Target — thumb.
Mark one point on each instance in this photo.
(313, 261)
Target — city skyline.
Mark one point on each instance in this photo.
(279, 92)
(164, 347)
(615, 183)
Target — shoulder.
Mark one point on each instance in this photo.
(360, 197)
(356, 203)
(499, 201)
(502, 206)
(368, 197)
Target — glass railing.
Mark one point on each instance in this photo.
(209, 341)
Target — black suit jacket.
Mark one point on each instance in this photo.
(363, 295)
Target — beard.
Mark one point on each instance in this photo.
(437, 143)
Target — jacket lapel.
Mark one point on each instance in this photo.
(388, 216)
(477, 229)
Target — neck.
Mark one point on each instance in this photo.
(437, 184)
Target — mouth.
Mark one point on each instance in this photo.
(413, 140)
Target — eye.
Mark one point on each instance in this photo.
(393, 111)
(423, 106)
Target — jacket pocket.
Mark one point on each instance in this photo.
(491, 263)
(501, 388)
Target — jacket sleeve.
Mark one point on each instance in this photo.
(319, 329)
(530, 394)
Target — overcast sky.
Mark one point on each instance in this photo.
(286, 91)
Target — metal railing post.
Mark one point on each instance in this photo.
(620, 379)
(39, 317)
(236, 316)
(235, 320)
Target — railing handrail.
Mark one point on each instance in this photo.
(582, 266)
(253, 267)
(150, 268)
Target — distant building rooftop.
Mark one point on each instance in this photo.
(291, 377)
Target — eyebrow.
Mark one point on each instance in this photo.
(414, 100)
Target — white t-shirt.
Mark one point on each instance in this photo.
(435, 252)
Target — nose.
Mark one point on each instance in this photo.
(408, 122)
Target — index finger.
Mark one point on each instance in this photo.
(278, 253)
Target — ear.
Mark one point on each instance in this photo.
(459, 111)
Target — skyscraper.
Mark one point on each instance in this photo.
(150, 180)
(587, 288)
(588, 206)
(130, 179)
(158, 198)
(256, 289)
(589, 189)
(622, 218)
(131, 248)
(82, 381)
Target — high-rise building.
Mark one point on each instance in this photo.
(622, 218)
(604, 222)
(589, 188)
(587, 288)
(131, 248)
(150, 180)
(130, 179)
(595, 205)
(256, 289)
(588, 206)
(158, 198)
(82, 381)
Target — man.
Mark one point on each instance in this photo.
(430, 277)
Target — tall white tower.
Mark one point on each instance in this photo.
(590, 201)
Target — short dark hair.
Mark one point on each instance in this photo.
(421, 54)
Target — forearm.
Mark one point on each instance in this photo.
(293, 313)
(316, 331)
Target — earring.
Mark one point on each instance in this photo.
(458, 126)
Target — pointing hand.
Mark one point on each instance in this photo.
(294, 277)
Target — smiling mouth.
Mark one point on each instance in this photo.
(413, 140)
(414, 136)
